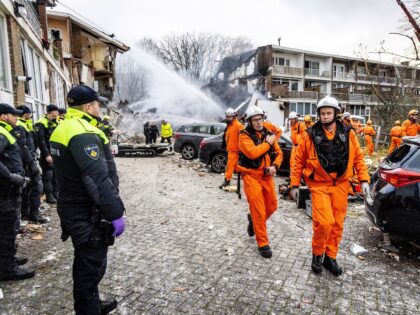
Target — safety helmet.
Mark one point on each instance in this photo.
(230, 112)
(307, 118)
(413, 112)
(293, 115)
(346, 115)
(397, 122)
(328, 101)
(369, 122)
(254, 111)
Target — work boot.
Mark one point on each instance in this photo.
(331, 265)
(17, 273)
(108, 306)
(317, 264)
(50, 199)
(250, 226)
(265, 251)
(20, 260)
(225, 184)
(37, 218)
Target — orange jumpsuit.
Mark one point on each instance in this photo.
(329, 193)
(410, 129)
(309, 124)
(369, 132)
(396, 134)
(232, 147)
(296, 133)
(259, 188)
(273, 128)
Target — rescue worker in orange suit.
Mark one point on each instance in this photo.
(260, 157)
(297, 130)
(396, 136)
(411, 127)
(369, 132)
(346, 119)
(273, 129)
(327, 157)
(230, 143)
(356, 125)
(308, 121)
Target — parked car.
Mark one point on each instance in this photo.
(211, 153)
(188, 137)
(395, 190)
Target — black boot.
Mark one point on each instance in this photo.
(331, 265)
(50, 199)
(108, 306)
(225, 184)
(317, 264)
(250, 226)
(265, 251)
(20, 260)
(17, 273)
(37, 218)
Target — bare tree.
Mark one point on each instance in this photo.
(130, 80)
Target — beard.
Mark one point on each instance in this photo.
(327, 124)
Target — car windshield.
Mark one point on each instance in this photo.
(413, 162)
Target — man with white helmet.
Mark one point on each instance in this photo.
(346, 119)
(327, 158)
(230, 143)
(297, 130)
(260, 157)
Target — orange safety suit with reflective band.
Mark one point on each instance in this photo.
(259, 188)
(369, 132)
(232, 146)
(329, 193)
(396, 138)
(273, 129)
(296, 133)
(410, 129)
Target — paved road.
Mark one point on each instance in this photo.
(186, 251)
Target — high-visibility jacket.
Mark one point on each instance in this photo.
(308, 165)
(273, 129)
(409, 128)
(232, 135)
(43, 130)
(166, 130)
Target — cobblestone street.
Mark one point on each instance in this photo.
(186, 250)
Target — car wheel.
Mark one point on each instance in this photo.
(188, 151)
(218, 162)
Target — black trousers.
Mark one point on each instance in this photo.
(47, 177)
(162, 140)
(153, 139)
(31, 196)
(89, 267)
(9, 203)
(148, 139)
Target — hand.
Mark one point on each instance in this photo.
(34, 169)
(119, 226)
(271, 171)
(294, 193)
(270, 139)
(366, 193)
(17, 179)
(49, 159)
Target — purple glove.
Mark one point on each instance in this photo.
(119, 226)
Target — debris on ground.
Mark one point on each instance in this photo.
(358, 250)
(37, 228)
(355, 213)
(38, 237)
(180, 289)
(394, 256)
(231, 188)
(388, 248)
(230, 251)
(1, 294)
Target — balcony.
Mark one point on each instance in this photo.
(302, 94)
(287, 70)
(344, 76)
(310, 72)
(376, 79)
(31, 16)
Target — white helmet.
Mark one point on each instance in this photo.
(346, 115)
(254, 111)
(230, 112)
(293, 115)
(328, 101)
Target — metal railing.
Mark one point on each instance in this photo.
(287, 70)
(343, 75)
(302, 94)
(312, 72)
(31, 16)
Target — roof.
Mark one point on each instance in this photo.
(94, 31)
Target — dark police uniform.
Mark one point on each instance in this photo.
(43, 129)
(87, 181)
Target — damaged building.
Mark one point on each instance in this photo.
(289, 79)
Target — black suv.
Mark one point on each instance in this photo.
(211, 153)
(395, 189)
(188, 137)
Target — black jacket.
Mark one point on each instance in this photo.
(10, 159)
(43, 133)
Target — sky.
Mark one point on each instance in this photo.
(329, 26)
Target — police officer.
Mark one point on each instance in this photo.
(89, 206)
(43, 129)
(11, 182)
(327, 157)
(31, 195)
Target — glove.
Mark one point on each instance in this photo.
(119, 226)
(366, 193)
(17, 179)
(34, 169)
(294, 193)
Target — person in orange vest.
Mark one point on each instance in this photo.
(411, 127)
(346, 119)
(260, 157)
(230, 143)
(297, 130)
(308, 121)
(369, 132)
(327, 158)
(396, 135)
(273, 129)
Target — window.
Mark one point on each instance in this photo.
(312, 67)
(24, 65)
(382, 73)
(3, 54)
(303, 108)
(278, 61)
(218, 129)
(202, 129)
(361, 70)
(339, 71)
(359, 110)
